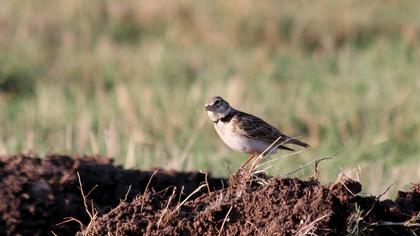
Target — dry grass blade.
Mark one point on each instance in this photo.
(310, 228)
(147, 187)
(316, 161)
(224, 220)
(341, 179)
(70, 219)
(263, 170)
(91, 211)
(386, 190)
(126, 194)
(269, 150)
(124, 200)
(316, 170)
(92, 214)
(301, 167)
(188, 197)
(258, 167)
(278, 159)
(207, 183)
(150, 180)
(166, 208)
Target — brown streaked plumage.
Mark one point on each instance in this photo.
(245, 132)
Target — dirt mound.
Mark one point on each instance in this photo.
(36, 194)
(265, 206)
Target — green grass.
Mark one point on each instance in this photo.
(129, 79)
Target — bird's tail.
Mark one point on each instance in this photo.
(286, 148)
(297, 142)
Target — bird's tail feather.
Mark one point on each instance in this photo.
(297, 142)
(286, 148)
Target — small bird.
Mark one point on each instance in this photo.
(246, 133)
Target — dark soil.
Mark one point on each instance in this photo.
(36, 194)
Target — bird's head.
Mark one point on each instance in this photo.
(217, 108)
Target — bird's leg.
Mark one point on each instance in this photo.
(247, 161)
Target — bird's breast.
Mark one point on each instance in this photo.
(237, 141)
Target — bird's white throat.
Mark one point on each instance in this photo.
(215, 116)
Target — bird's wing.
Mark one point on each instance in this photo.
(256, 128)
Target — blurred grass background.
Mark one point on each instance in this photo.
(128, 79)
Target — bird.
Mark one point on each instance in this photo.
(247, 133)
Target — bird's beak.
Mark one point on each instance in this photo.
(207, 107)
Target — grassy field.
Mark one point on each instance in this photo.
(128, 79)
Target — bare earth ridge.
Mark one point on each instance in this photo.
(36, 194)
